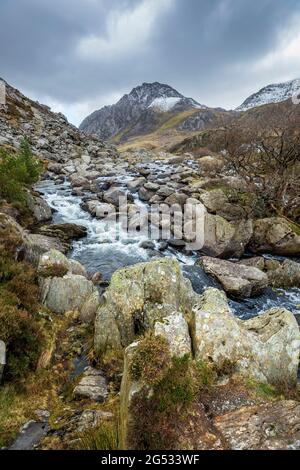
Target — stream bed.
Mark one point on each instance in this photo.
(101, 251)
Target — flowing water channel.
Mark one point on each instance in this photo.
(101, 251)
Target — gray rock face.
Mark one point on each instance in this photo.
(217, 202)
(49, 134)
(93, 386)
(138, 297)
(40, 209)
(113, 195)
(265, 348)
(65, 232)
(237, 280)
(270, 426)
(224, 239)
(175, 330)
(133, 110)
(64, 294)
(275, 235)
(286, 275)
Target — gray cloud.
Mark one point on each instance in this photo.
(79, 55)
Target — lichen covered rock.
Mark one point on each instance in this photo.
(138, 297)
(265, 348)
(236, 279)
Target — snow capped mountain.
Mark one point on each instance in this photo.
(141, 103)
(274, 93)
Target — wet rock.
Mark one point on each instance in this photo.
(113, 195)
(146, 194)
(270, 426)
(237, 280)
(265, 348)
(40, 209)
(176, 198)
(135, 185)
(30, 435)
(65, 232)
(275, 235)
(92, 386)
(147, 245)
(286, 275)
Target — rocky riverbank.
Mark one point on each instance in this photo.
(140, 342)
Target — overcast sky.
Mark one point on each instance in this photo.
(78, 55)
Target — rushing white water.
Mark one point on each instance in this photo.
(102, 251)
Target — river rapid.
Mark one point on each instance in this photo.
(101, 251)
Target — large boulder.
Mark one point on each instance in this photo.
(113, 195)
(53, 263)
(67, 293)
(27, 246)
(39, 244)
(139, 296)
(265, 348)
(216, 201)
(286, 275)
(236, 279)
(64, 232)
(223, 239)
(40, 209)
(269, 426)
(275, 235)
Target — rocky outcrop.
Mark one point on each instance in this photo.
(269, 426)
(50, 135)
(138, 297)
(265, 348)
(236, 279)
(65, 294)
(40, 209)
(223, 239)
(275, 235)
(64, 232)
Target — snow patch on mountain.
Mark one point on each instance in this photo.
(275, 93)
(164, 103)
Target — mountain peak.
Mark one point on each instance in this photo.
(143, 100)
(274, 93)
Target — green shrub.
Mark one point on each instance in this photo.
(19, 303)
(17, 171)
(23, 339)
